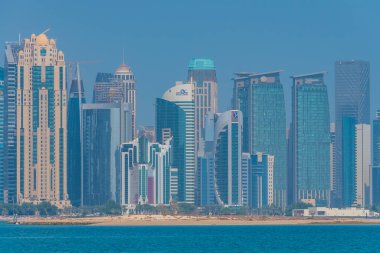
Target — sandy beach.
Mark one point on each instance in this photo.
(182, 220)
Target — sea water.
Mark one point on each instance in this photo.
(289, 238)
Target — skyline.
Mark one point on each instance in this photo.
(328, 32)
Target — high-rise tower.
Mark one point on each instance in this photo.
(260, 97)
(74, 141)
(41, 123)
(10, 122)
(202, 73)
(227, 150)
(352, 106)
(175, 118)
(310, 137)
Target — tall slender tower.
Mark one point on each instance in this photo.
(227, 150)
(202, 73)
(10, 121)
(74, 143)
(352, 106)
(41, 123)
(310, 137)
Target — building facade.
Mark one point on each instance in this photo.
(363, 161)
(310, 137)
(116, 88)
(202, 73)
(2, 140)
(260, 97)
(146, 175)
(74, 142)
(175, 118)
(227, 153)
(10, 122)
(260, 183)
(41, 123)
(352, 100)
(104, 128)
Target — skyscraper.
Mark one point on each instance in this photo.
(362, 164)
(2, 124)
(376, 160)
(175, 118)
(260, 97)
(310, 134)
(74, 151)
(202, 73)
(10, 118)
(41, 123)
(227, 150)
(104, 128)
(352, 100)
(114, 88)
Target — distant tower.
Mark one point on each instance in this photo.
(74, 152)
(260, 97)
(310, 137)
(41, 123)
(202, 73)
(175, 118)
(2, 142)
(126, 79)
(227, 150)
(352, 106)
(10, 118)
(117, 87)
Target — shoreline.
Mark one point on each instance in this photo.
(183, 220)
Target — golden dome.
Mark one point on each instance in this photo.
(42, 39)
(123, 69)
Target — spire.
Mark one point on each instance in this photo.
(123, 56)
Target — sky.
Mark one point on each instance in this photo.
(160, 38)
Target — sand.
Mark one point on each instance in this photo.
(182, 220)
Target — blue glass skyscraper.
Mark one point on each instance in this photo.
(260, 97)
(2, 107)
(74, 152)
(10, 122)
(310, 137)
(352, 106)
(227, 153)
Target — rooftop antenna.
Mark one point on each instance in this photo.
(123, 56)
(19, 39)
(46, 31)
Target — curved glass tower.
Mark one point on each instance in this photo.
(175, 118)
(227, 150)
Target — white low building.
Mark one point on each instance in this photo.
(334, 212)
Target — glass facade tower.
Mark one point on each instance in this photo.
(227, 153)
(74, 152)
(352, 100)
(10, 122)
(310, 137)
(175, 118)
(260, 97)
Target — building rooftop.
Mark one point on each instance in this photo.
(309, 75)
(201, 64)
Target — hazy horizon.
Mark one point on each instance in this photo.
(159, 40)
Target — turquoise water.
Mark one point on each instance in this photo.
(314, 238)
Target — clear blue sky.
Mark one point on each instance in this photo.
(160, 37)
